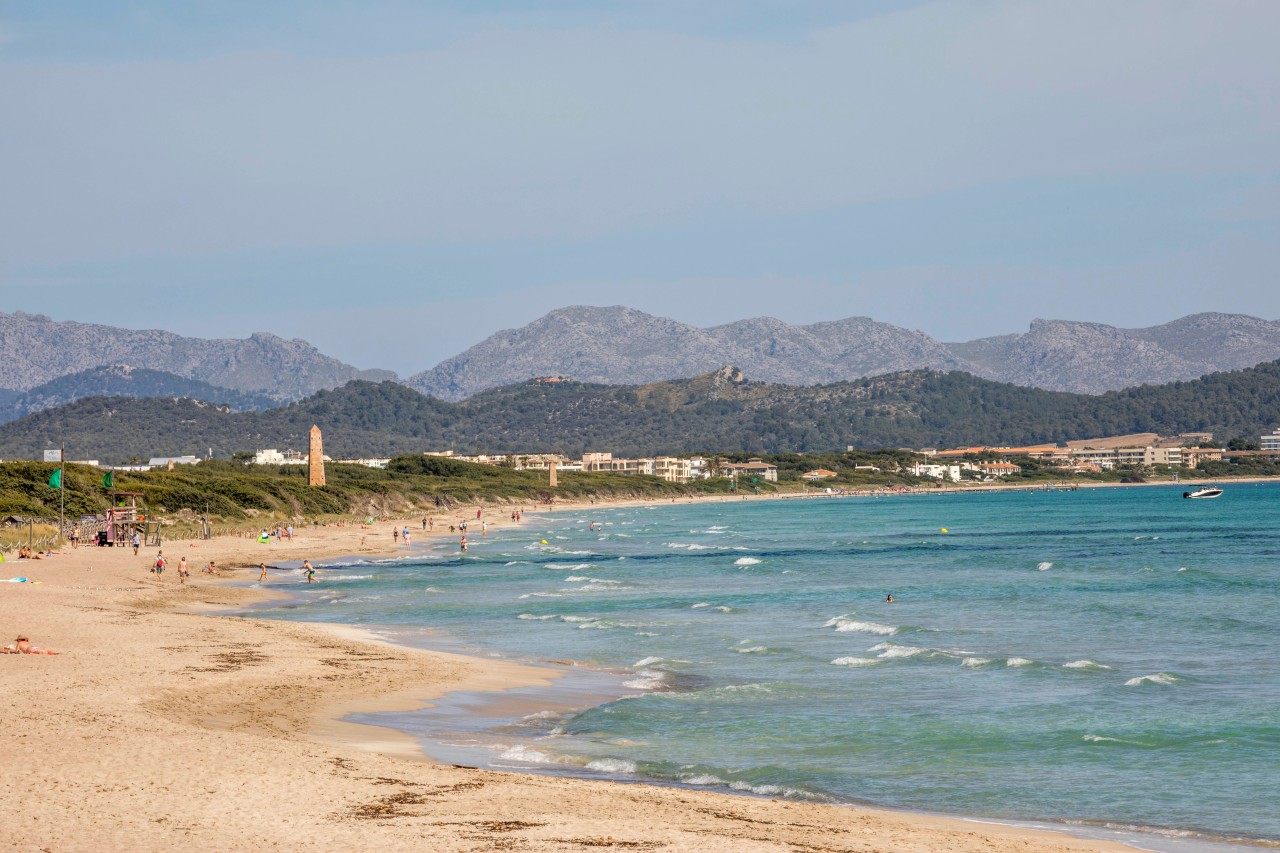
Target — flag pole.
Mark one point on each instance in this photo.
(62, 491)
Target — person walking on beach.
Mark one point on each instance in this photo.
(463, 543)
(183, 574)
(395, 534)
(75, 536)
(477, 513)
(262, 577)
(407, 546)
(137, 542)
(159, 566)
(310, 571)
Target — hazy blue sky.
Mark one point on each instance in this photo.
(394, 181)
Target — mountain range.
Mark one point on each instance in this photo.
(616, 346)
(718, 412)
(122, 380)
(35, 350)
(621, 345)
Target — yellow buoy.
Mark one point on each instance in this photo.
(944, 530)
(544, 542)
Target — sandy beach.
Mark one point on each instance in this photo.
(161, 723)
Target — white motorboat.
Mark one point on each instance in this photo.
(1203, 492)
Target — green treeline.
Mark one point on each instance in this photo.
(703, 415)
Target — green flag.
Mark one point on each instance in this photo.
(55, 479)
(109, 480)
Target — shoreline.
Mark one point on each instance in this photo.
(1129, 837)
(158, 726)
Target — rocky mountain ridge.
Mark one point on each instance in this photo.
(123, 380)
(620, 346)
(35, 349)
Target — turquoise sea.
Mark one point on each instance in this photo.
(1108, 658)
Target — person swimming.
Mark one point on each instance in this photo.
(888, 599)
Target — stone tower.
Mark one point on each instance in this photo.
(552, 466)
(315, 459)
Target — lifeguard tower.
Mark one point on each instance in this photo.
(125, 517)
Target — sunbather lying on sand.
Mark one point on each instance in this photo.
(24, 647)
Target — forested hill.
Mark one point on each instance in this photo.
(717, 412)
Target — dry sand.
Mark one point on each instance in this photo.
(161, 726)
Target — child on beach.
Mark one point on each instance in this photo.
(183, 574)
(262, 577)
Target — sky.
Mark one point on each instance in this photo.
(396, 181)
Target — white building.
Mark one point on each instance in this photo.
(169, 461)
(937, 472)
(275, 457)
(1271, 442)
(754, 468)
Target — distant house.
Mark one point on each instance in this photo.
(272, 456)
(754, 468)
(170, 461)
(818, 474)
(1271, 442)
(937, 472)
(998, 469)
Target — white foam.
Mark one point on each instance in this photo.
(845, 625)
(542, 595)
(1100, 739)
(746, 688)
(701, 779)
(650, 661)
(531, 617)
(1018, 662)
(975, 662)
(1045, 566)
(752, 650)
(1085, 664)
(890, 651)
(767, 790)
(723, 609)
(612, 765)
(746, 561)
(520, 752)
(646, 679)
(1162, 678)
(854, 661)
(579, 618)
(568, 567)
(700, 605)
